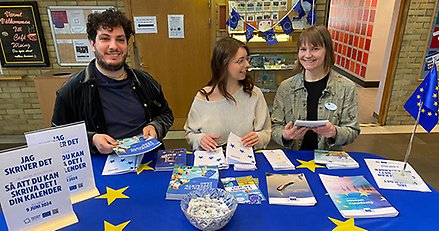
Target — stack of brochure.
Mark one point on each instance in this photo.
(242, 157)
(214, 158)
(278, 160)
(120, 165)
(355, 197)
(167, 159)
(289, 189)
(245, 189)
(335, 159)
(184, 179)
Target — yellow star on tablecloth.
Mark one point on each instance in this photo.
(144, 167)
(309, 165)
(112, 195)
(345, 225)
(383, 199)
(110, 227)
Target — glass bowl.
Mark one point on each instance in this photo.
(209, 222)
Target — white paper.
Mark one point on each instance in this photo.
(278, 160)
(33, 187)
(237, 153)
(83, 51)
(176, 26)
(76, 21)
(75, 153)
(120, 165)
(388, 175)
(214, 158)
(310, 123)
(145, 25)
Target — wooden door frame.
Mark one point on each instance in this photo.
(391, 70)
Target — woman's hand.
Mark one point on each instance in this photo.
(208, 142)
(251, 139)
(328, 130)
(292, 132)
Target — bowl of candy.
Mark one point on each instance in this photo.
(209, 209)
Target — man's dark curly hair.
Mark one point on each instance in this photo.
(108, 20)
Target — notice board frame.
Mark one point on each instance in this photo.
(68, 29)
(22, 34)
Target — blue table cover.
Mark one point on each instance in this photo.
(147, 208)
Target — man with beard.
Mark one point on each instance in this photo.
(114, 100)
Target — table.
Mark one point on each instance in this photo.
(147, 209)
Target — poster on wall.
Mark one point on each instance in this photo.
(22, 42)
(145, 24)
(432, 53)
(176, 26)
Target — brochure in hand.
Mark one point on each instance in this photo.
(211, 158)
(289, 189)
(244, 189)
(135, 145)
(184, 179)
(335, 159)
(355, 197)
(166, 159)
(242, 157)
(120, 165)
(310, 123)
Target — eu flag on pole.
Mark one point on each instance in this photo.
(270, 37)
(233, 19)
(249, 32)
(312, 17)
(299, 9)
(427, 96)
(286, 25)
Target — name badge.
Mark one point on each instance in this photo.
(331, 106)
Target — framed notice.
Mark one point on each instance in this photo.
(68, 26)
(22, 40)
(432, 52)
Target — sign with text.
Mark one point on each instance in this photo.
(75, 153)
(21, 36)
(33, 191)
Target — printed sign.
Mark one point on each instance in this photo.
(75, 153)
(33, 191)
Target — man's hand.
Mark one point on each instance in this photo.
(149, 131)
(104, 143)
(328, 130)
(208, 142)
(251, 139)
(292, 132)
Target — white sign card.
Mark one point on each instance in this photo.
(83, 52)
(388, 175)
(75, 153)
(33, 192)
(145, 25)
(176, 26)
(76, 21)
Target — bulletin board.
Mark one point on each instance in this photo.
(68, 26)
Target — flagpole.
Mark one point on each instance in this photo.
(409, 148)
(313, 7)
